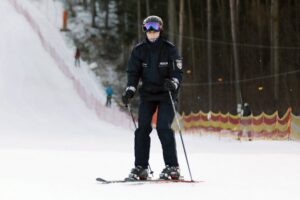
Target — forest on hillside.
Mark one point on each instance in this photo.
(233, 51)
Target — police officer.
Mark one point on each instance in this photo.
(156, 62)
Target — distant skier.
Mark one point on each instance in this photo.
(109, 93)
(77, 57)
(157, 63)
(245, 121)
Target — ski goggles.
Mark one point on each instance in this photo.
(152, 26)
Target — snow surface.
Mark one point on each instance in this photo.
(52, 147)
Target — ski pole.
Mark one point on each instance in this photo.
(179, 128)
(130, 111)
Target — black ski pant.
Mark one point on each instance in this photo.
(165, 133)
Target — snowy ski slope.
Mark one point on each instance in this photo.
(52, 146)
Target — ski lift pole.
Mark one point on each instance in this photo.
(179, 128)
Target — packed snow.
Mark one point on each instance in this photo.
(52, 146)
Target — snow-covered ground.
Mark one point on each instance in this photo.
(53, 147)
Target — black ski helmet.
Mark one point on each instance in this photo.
(153, 18)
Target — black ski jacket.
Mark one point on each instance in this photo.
(247, 111)
(152, 63)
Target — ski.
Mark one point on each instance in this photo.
(104, 181)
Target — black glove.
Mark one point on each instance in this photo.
(170, 85)
(128, 94)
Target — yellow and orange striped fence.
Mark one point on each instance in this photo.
(295, 128)
(262, 126)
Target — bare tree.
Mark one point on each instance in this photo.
(171, 20)
(147, 7)
(275, 43)
(209, 54)
(70, 5)
(233, 11)
(85, 4)
(181, 19)
(94, 12)
(106, 8)
(191, 30)
(139, 19)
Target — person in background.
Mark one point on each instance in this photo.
(245, 121)
(109, 92)
(77, 57)
(156, 62)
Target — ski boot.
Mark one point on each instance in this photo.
(170, 173)
(137, 173)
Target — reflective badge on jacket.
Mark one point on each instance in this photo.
(179, 63)
(163, 64)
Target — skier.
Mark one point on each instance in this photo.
(157, 63)
(77, 57)
(245, 124)
(109, 93)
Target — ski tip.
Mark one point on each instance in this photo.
(184, 181)
(101, 180)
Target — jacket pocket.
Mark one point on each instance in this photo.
(163, 69)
